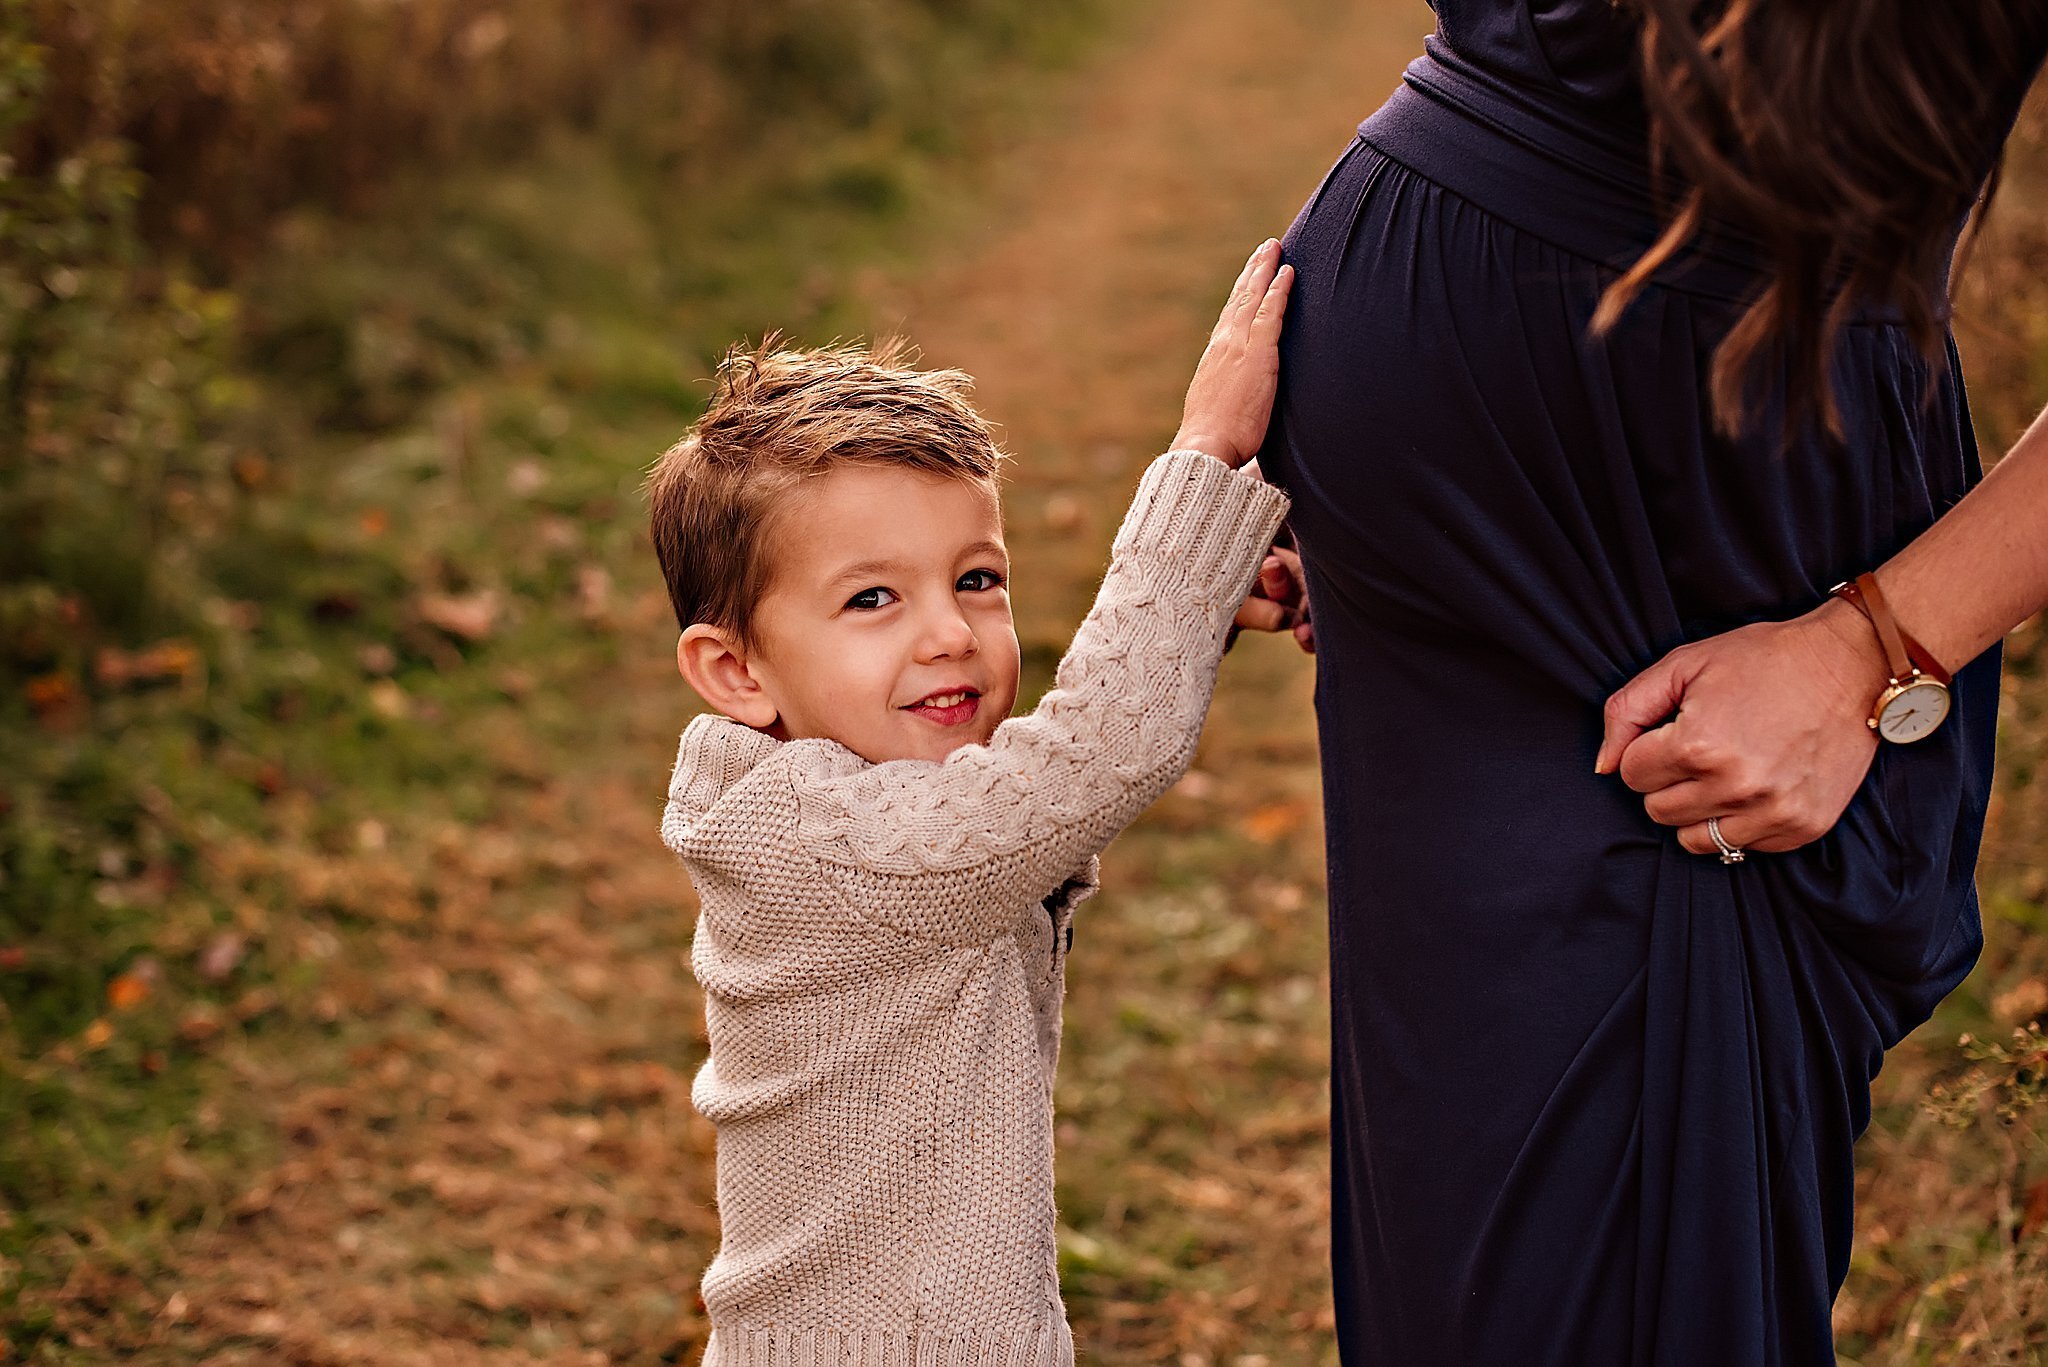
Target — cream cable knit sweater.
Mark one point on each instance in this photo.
(881, 950)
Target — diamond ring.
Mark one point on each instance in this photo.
(1730, 854)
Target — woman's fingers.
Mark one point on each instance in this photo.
(1744, 832)
(1263, 614)
(1275, 582)
(1275, 602)
(1640, 704)
(1283, 580)
(1686, 803)
(1769, 737)
(1660, 757)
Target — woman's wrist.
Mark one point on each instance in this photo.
(1851, 652)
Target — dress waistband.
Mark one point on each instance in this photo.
(1582, 188)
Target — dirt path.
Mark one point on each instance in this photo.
(491, 1157)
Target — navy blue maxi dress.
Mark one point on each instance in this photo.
(1594, 1096)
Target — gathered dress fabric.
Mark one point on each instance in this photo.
(1594, 1097)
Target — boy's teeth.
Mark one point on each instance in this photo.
(946, 700)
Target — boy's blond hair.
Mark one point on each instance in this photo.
(778, 417)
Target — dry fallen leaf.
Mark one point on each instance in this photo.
(593, 592)
(222, 954)
(2023, 1002)
(388, 700)
(467, 616)
(199, 1025)
(525, 479)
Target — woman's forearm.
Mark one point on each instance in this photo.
(1982, 568)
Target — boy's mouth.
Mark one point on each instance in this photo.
(950, 708)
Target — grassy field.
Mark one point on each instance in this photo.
(347, 1013)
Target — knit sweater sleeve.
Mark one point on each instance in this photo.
(951, 851)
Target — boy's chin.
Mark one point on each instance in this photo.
(938, 746)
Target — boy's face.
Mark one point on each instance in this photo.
(887, 623)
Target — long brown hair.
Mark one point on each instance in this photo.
(1848, 137)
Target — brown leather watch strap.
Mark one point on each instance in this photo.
(1902, 653)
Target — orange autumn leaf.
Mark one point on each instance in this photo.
(1269, 823)
(251, 471)
(2034, 1218)
(165, 661)
(49, 693)
(127, 990)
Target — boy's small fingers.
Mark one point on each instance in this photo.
(1273, 304)
(1241, 289)
(1257, 274)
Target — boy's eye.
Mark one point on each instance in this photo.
(980, 581)
(867, 600)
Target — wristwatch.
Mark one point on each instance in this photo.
(1916, 698)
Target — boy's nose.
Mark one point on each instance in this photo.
(947, 636)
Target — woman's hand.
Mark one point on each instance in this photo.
(1230, 399)
(1278, 600)
(1771, 732)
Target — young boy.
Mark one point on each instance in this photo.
(886, 865)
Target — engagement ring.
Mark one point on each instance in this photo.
(1730, 854)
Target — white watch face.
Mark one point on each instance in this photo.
(1914, 714)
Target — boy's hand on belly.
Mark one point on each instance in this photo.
(1230, 399)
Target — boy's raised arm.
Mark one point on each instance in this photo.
(1013, 819)
(950, 852)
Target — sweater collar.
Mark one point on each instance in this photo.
(716, 753)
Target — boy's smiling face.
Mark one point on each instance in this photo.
(886, 625)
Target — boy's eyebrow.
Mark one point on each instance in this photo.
(872, 569)
(866, 569)
(984, 548)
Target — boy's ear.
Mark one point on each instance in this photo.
(715, 664)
